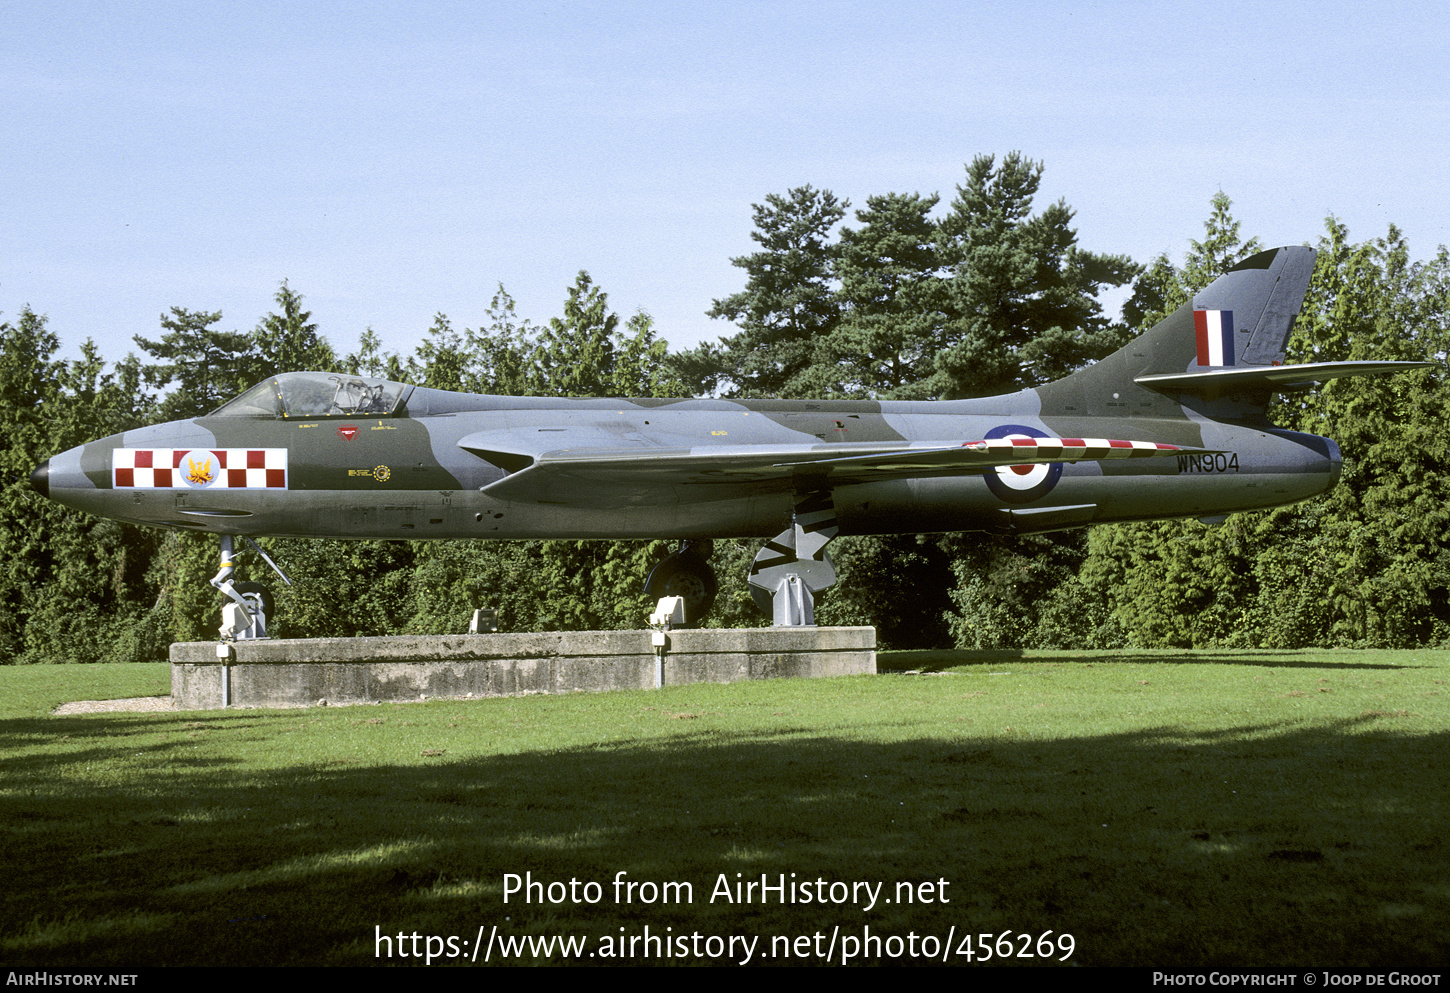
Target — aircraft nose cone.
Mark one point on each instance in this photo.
(40, 479)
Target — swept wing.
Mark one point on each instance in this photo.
(601, 477)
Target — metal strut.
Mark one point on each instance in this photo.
(267, 558)
(793, 566)
(246, 616)
(235, 626)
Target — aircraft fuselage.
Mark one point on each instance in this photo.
(417, 472)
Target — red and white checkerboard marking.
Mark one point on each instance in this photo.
(199, 468)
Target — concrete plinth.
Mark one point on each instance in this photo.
(303, 672)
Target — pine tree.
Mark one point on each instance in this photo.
(892, 299)
(1023, 297)
(574, 355)
(789, 300)
(207, 366)
(1162, 288)
(288, 342)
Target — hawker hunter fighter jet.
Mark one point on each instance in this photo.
(1171, 425)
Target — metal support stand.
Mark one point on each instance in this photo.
(242, 619)
(793, 566)
(669, 613)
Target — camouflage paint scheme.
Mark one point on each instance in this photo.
(427, 463)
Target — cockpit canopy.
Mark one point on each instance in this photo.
(317, 394)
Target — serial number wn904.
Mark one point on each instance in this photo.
(1212, 462)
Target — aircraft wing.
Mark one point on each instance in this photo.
(639, 474)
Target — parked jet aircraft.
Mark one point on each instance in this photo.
(1171, 425)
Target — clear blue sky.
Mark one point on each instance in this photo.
(393, 160)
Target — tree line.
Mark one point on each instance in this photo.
(983, 297)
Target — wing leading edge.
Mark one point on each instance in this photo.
(594, 477)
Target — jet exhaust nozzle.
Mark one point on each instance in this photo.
(40, 479)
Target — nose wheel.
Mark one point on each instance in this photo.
(258, 597)
(245, 617)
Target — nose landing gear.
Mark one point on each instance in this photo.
(252, 603)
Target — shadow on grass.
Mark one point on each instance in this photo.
(1322, 845)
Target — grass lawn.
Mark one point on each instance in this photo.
(1164, 809)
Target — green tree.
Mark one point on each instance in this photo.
(29, 386)
(899, 584)
(586, 353)
(1387, 522)
(1024, 301)
(370, 360)
(288, 341)
(789, 297)
(443, 358)
(574, 355)
(502, 349)
(207, 366)
(1153, 288)
(640, 366)
(75, 587)
(1367, 563)
(702, 370)
(1221, 249)
(892, 300)
(1160, 289)
(1006, 593)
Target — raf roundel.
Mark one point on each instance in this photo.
(1021, 483)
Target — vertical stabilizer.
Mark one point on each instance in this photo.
(1262, 294)
(1240, 320)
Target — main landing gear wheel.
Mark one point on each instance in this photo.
(686, 573)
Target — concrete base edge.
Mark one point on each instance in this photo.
(309, 671)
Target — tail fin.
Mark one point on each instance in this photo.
(1259, 299)
(1241, 322)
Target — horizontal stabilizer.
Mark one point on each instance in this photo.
(1280, 378)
